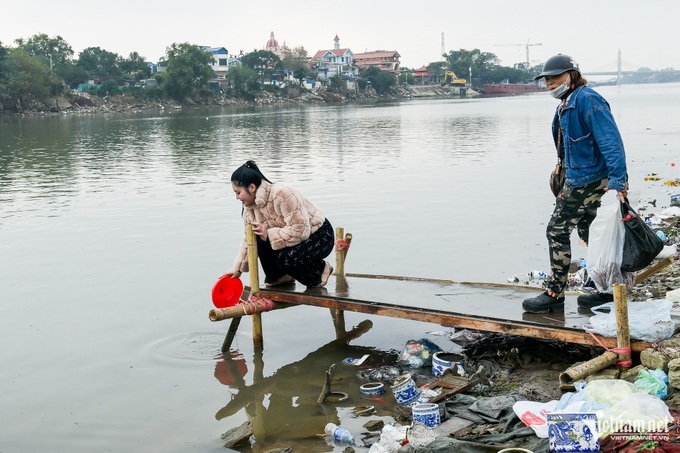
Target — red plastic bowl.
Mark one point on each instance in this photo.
(227, 291)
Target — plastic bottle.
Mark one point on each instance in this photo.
(339, 433)
(539, 275)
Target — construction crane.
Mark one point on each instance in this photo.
(524, 45)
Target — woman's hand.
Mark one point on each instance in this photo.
(260, 230)
(233, 274)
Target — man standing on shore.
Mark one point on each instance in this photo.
(590, 146)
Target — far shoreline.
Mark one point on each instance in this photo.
(84, 103)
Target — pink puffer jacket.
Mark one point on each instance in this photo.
(289, 216)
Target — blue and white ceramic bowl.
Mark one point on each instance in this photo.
(372, 389)
(427, 414)
(405, 390)
(442, 361)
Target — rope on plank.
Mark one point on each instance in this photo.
(256, 304)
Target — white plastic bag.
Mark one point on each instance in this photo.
(605, 246)
(639, 412)
(648, 321)
(607, 392)
(390, 439)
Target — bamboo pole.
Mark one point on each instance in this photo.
(231, 333)
(233, 327)
(342, 245)
(622, 356)
(253, 269)
(338, 317)
(622, 326)
(236, 311)
(348, 241)
(580, 371)
(339, 255)
(258, 423)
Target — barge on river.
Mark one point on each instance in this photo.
(511, 88)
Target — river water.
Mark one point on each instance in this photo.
(114, 227)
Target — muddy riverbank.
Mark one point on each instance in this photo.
(86, 103)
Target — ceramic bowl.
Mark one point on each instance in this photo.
(442, 361)
(372, 389)
(426, 413)
(405, 390)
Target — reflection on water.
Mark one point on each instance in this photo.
(286, 404)
(114, 227)
(230, 370)
(55, 158)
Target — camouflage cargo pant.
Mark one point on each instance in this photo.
(575, 207)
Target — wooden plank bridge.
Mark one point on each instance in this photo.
(490, 307)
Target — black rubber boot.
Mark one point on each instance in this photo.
(593, 299)
(543, 303)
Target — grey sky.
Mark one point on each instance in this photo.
(592, 32)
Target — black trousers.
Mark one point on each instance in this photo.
(304, 261)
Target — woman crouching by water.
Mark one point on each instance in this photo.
(293, 235)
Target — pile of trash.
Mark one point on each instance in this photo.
(603, 412)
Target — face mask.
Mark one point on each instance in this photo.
(561, 90)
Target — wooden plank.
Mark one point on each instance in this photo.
(400, 277)
(440, 280)
(447, 319)
(651, 270)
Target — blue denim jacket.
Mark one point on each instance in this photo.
(593, 148)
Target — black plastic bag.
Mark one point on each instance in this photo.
(641, 245)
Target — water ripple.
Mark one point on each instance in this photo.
(191, 348)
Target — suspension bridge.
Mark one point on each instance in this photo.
(620, 72)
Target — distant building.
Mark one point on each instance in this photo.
(221, 60)
(273, 47)
(423, 77)
(335, 61)
(387, 60)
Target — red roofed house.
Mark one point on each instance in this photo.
(334, 61)
(387, 60)
(421, 75)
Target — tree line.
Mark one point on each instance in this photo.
(41, 66)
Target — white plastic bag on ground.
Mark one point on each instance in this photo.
(674, 295)
(607, 392)
(640, 412)
(667, 251)
(648, 321)
(605, 246)
(390, 439)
